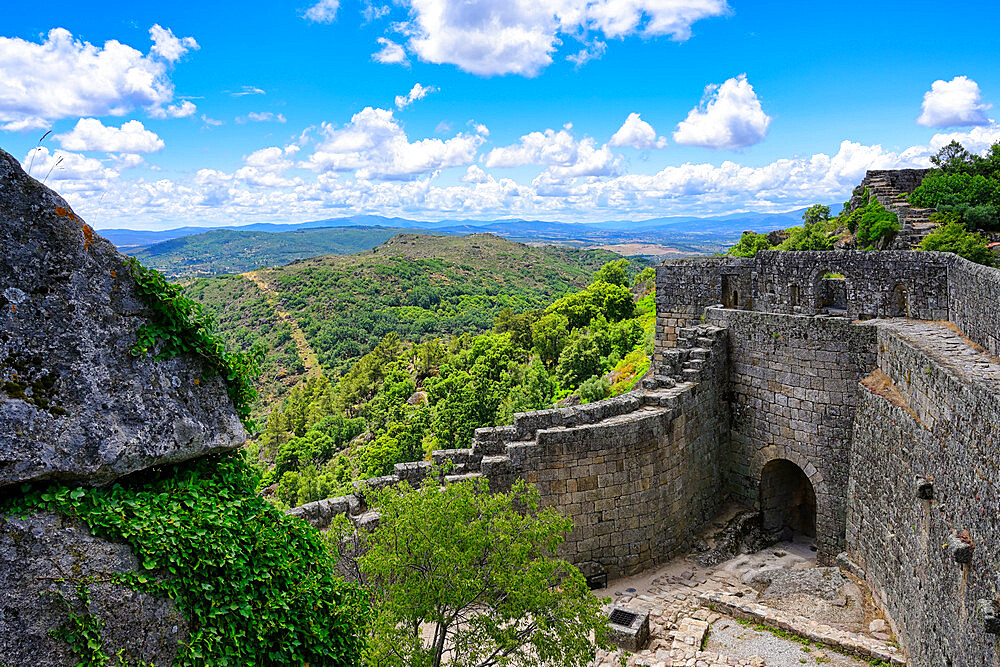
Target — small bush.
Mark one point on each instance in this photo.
(594, 389)
(749, 245)
(953, 237)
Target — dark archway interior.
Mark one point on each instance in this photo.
(787, 500)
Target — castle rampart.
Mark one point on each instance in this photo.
(832, 391)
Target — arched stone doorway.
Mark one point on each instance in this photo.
(787, 500)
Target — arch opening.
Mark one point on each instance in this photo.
(900, 304)
(831, 292)
(787, 500)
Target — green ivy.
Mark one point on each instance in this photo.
(257, 586)
(181, 326)
(82, 631)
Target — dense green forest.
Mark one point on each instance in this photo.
(383, 356)
(228, 251)
(405, 399)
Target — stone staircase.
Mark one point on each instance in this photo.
(916, 222)
(498, 452)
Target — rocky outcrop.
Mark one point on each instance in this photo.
(43, 559)
(74, 403)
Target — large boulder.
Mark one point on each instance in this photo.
(46, 561)
(75, 405)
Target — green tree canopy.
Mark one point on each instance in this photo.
(749, 245)
(954, 237)
(615, 273)
(458, 569)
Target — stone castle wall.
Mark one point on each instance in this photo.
(974, 302)
(938, 424)
(794, 391)
(864, 383)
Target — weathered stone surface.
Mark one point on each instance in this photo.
(74, 403)
(42, 558)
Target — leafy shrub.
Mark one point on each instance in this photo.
(953, 237)
(615, 273)
(257, 586)
(749, 245)
(594, 389)
(181, 326)
(807, 237)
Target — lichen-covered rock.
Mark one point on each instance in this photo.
(74, 403)
(43, 559)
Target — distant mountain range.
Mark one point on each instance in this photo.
(525, 229)
(199, 251)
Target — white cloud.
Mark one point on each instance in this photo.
(183, 110)
(475, 174)
(248, 90)
(168, 46)
(92, 135)
(492, 37)
(126, 160)
(75, 172)
(953, 103)
(391, 53)
(590, 52)
(418, 92)
(730, 116)
(372, 12)
(26, 124)
(324, 11)
(62, 77)
(262, 117)
(637, 133)
(564, 156)
(211, 122)
(976, 140)
(373, 145)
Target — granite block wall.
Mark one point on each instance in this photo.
(974, 302)
(638, 485)
(883, 284)
(794, 392)
(932, 432)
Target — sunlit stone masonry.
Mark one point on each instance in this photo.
(849, 396)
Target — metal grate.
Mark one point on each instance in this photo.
(622, 617)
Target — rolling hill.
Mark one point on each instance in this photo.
(228, 251)
(321, 314)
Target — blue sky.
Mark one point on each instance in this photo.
(577, 110)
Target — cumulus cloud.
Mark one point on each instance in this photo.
(90, 134)
(730, 116)
(182, 110)
(324, 11)
(492, 37)
(953, 103)
(211, 122)
(391, 53)
(418, 92)
(168, 46)
(560, 151)
(76, 172)
(262, 117)
(374, 145)
(475, 174)
(63, 77)
(637, 133)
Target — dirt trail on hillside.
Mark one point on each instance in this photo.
(306, 353)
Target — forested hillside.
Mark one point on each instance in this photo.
(405, 399)
(232, 251)
(326, 313)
